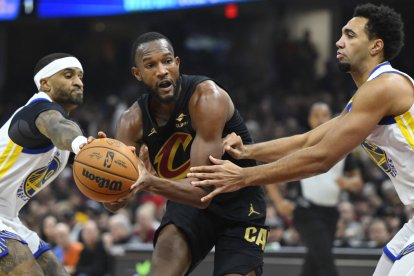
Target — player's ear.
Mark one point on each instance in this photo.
(376, 47)
(177, 61)
(45, 85)
(136, 73)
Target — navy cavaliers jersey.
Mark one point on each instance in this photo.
(170, 146)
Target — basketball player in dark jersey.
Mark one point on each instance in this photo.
(181, 121)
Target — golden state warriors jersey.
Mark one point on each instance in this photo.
(26, 171)
(391, 144)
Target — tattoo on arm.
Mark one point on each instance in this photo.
(51, 265)
(19, 260)
(58, 129)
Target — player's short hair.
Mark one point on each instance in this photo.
(48, 59)
(144, 38)
(384, 23)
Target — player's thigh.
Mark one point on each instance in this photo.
(239, 250)
(172, 255)
(19, 260)
(51, 265)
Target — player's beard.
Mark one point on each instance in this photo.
(66, 98)
(165, 100)
(344, 67)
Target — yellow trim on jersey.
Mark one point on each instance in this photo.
(407, 127)
(9, 156)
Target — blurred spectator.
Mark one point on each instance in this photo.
(275, 237)
(47, 231)
(119, 231)
(71, 249)
(350, 231)
(93, 259)
(378, 234)
(146, 224)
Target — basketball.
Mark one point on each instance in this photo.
(105, 169)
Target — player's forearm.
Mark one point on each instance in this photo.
(179, 191)
(63, 134)
(302, 164)
(275, 149)
(58, 129)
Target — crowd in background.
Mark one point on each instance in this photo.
(273, 107)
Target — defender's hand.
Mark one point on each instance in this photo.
(233, 145)
(225, 176)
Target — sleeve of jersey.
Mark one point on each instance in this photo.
(23, 130)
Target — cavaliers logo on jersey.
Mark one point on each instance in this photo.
(35, 180)
(173, 159)
(380, 158)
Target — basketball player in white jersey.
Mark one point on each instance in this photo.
(380, 116)
(35, 145)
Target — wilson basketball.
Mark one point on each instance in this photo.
(105, 169)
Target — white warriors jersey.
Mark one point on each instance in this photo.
(24, 172)
(391, 144)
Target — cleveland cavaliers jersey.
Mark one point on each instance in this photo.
(25, 170)
(391, 144)
(170, 145)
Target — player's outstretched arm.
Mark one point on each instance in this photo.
(58, 129)
(348, 130)
(273, 150)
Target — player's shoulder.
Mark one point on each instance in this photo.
(132, 115)
(392, 82)
(209, 90)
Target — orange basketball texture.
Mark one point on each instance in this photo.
(105, 169)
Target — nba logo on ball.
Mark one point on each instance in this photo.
(108, 159)
(111, 179)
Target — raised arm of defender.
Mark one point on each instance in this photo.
(345, 133)
(273, 150)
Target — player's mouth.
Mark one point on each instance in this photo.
(165, 86)
(339, 55)
(77, 91)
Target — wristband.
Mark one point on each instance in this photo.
(77, 142)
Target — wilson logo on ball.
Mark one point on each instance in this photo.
(102, 181)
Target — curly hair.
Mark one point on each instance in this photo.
(384, 23)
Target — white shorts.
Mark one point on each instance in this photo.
(401, 244)
(14, 229)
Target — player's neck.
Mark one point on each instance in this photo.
(361, 73)
(161, 112)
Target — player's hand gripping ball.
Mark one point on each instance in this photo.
(105, 169)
